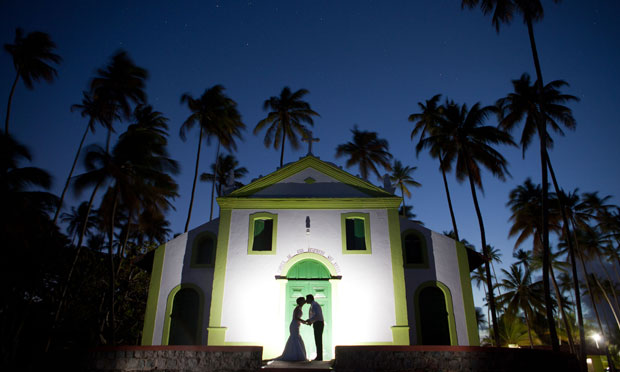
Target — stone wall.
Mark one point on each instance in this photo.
(175, 358)
(450, 359)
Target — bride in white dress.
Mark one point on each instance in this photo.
(295, 350)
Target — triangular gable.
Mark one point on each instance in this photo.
(340, 181)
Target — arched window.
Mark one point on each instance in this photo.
(262, 233)
(203, 250)
(355, 233)
(415, 254)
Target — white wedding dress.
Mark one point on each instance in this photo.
(295, 350)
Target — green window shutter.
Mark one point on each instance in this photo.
(263, 233)
(356, 234)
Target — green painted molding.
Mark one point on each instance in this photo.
(169, 305)
(309, 203)
(197, 239)
(274, 232)
(308, 255)
(400, 336)
(473, 336)
(317, 164)
(454, 341)
(343, 224)
(148, 329)
(424, 264)
(219, 275)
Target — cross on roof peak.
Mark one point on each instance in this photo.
(308, 138)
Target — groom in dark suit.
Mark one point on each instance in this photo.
(318, 324)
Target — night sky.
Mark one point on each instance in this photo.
(365, 63)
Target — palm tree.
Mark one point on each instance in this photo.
(401, 178)
(32, 56)
(425, 121)
(532, 11)
(463, 138)
(228, 171)
(97, 111)
(75, 220)
(366, 150)
(521, 294)
(525, 204)
(217, 117)
(137, 171)
(286, 119)
(539, 107)
(407, 212)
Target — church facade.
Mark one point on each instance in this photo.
(311, 228)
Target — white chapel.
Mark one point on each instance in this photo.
(311, 228)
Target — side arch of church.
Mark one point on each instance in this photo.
(449, 309)
(170, 307)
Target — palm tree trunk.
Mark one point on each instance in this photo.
(112, 324)
(571, 254)
(445, 183)
(402, 190)
(542, 133)
(64, 191)
(529, 329)
(282, 150)
(487, 265)
(594, 307)
(217, 163)
(569, 333)
(598, 256)
(604, 292)
(73, 265)
(191, 201)
(8, 106)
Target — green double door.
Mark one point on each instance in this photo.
(321, 290)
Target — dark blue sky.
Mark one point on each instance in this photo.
(365, 63)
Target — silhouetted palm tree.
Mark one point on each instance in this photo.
(32, 56)
(286, 119)
(539, 107)
(138, 173)
(401, 178)
(97, 111)
(366, 150)
(521, 294)
(425, 121)
(407, 212)
(464, 139)
(217, 117)
(228, 170)
(532, 10)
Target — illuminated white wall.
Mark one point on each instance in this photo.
(176, 270)
(443, 267)
(253, 307)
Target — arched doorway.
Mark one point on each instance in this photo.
(183, 322)
(434, 315)
(309, 276)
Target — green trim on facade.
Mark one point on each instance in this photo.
(308, 255)
(197, 240)
(309, 203)
(274, 232)
(317, 164)
(343, 223)
(148, 329)
(309, 180)
(468, 298)
(454, 341)
(400, 331)
(169, 305)
(424, 264)
(216, 331)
